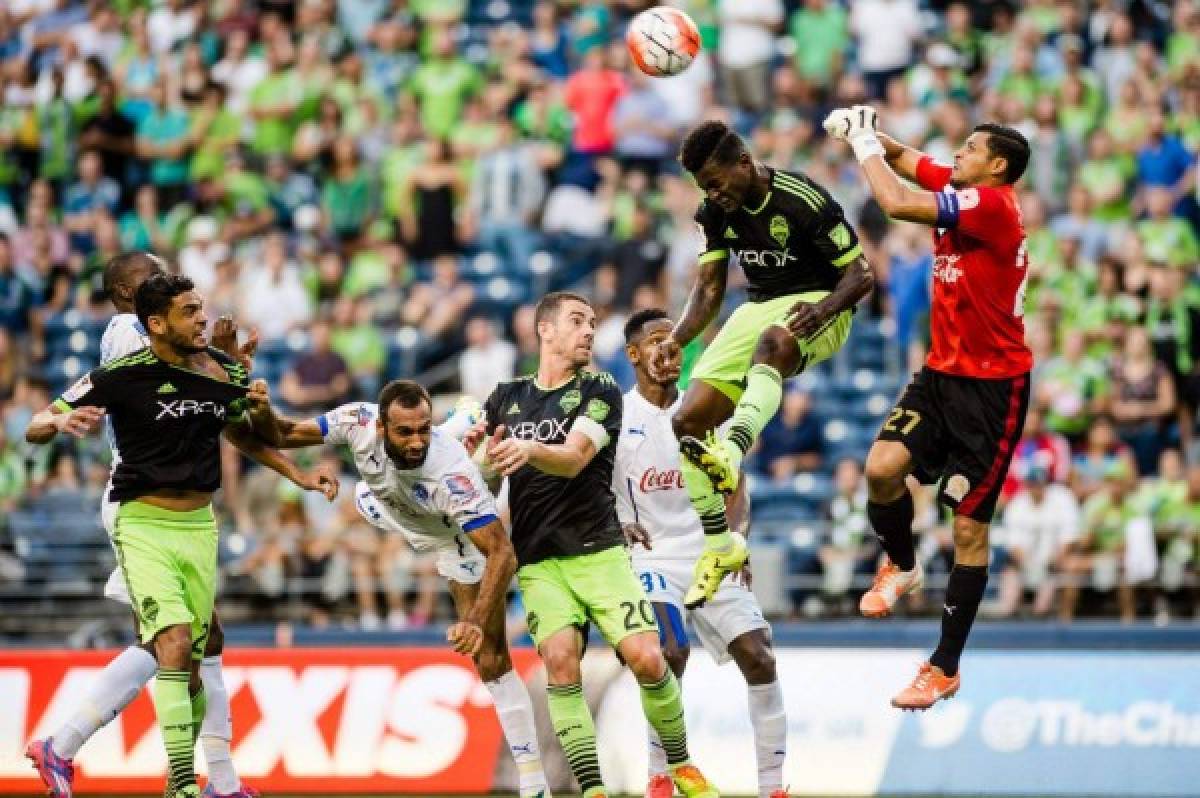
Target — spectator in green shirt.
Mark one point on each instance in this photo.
(441, 86)
(1106, 176)
(1097, 559)
(348, 197)
(275, 101)
(821, 34)
(1072, 387)
(1166, 238)
(360, 343)
(215, 131)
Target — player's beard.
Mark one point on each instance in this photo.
(183, 343)
(401, 459)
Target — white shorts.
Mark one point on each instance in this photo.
(457, 558)
(731, 613)
(115, 588)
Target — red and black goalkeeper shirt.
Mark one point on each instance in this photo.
(979, 272)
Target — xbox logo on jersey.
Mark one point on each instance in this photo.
(548, 429)
(766, 258)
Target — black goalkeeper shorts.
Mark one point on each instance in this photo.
(961, 432)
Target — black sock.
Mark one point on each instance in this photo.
(893, 526)
(964, 591)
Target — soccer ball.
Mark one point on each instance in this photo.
(662, 41)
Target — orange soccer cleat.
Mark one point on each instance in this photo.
(890, 584)
(930, 686)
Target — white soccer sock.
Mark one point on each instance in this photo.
(515, 711)
(656, 755)
(216, 730)
(770, 735)
(118, 684)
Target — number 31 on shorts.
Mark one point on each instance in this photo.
(902, 419)
(652, 582)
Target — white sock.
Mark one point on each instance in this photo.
(515, 711)
(656, 755)
(119, 683)
(216, 730)
(770, 735)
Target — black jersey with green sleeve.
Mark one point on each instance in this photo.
(166, 420)
(559, 516)
(797, 241)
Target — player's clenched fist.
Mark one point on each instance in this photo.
(837, 124)
(667, 361)
(847, 124)
(465, 638)
(507, 455)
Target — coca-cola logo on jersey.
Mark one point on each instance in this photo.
(653, 479)
(946, 269)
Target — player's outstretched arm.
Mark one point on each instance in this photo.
(902, 158)
(703, 305)
(501, 564)
(299, 434)
(856, 126)
(80, 421)
(320, 478)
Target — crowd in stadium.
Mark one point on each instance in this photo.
(381, 188)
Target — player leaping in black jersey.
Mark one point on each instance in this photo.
(806, 272)
(169, 404)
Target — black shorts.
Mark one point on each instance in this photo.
(962, 432)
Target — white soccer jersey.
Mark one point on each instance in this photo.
(430, 505)
(648, 482)
(123, 336)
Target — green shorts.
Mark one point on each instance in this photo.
(570, 591)
(727, 359)
(169, 561)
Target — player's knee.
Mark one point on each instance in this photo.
(645, 658)
(970, 541)
(755, 658)
(776, 347)
(562, 664)
(173, 647)
(885, 472)
(684, 423)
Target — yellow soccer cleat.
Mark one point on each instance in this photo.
(719, 459)
(691, 782)
(713, 566)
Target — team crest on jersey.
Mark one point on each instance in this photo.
(79, 389)
(149, 609)
(359, 415)
(780, 230)
(840, 236)
(570, 400)
(420, 492)
(461, 488)
(597, 410)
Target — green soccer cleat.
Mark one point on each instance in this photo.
(691, 782)
(719, 459)
(713, 566)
